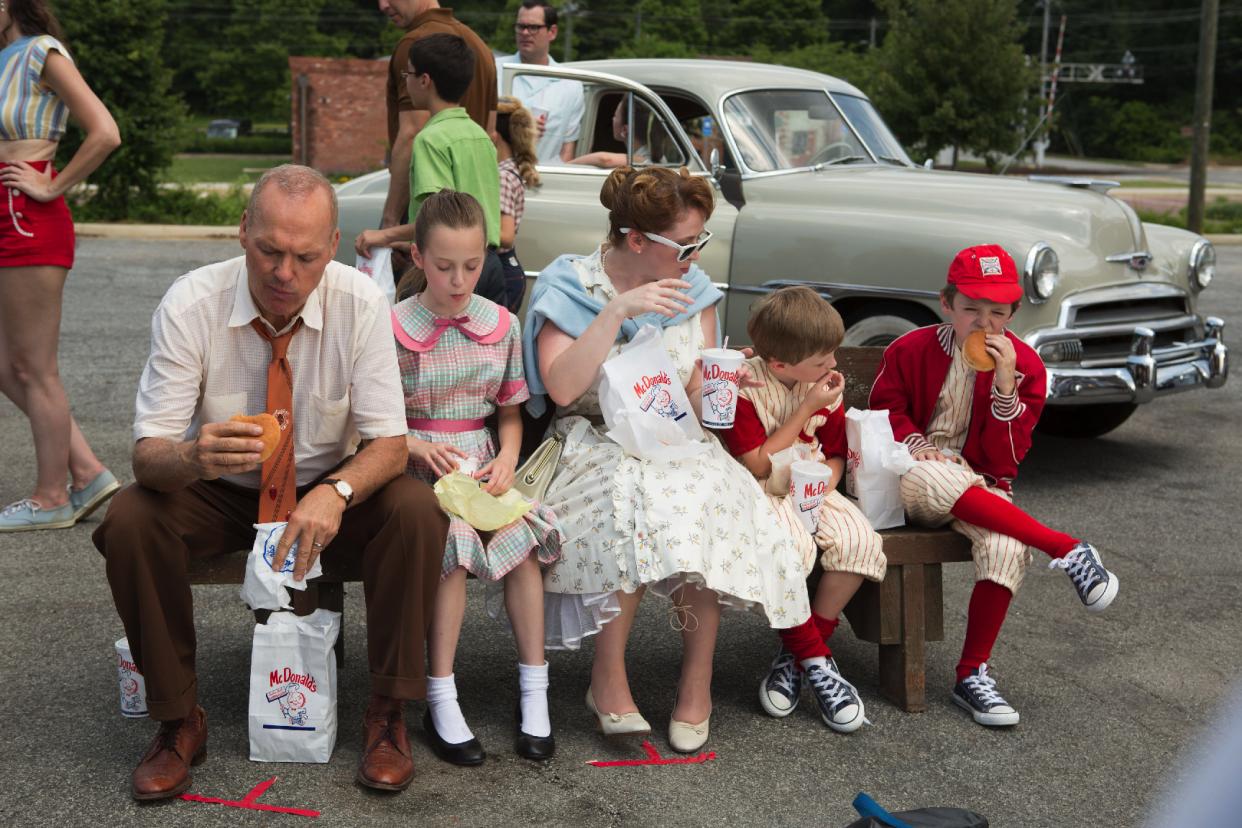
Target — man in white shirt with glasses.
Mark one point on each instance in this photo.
(557, 104)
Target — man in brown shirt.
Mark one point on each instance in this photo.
(420, 18)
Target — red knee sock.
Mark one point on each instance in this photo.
(988, 604)
(804, 641)
(996, 514)
(827, 626)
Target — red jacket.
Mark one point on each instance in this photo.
(999, 434)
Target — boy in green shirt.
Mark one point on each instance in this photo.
(451, 152)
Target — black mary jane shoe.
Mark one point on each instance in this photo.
(462, 753)
(532, 747)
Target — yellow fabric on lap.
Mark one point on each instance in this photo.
(462, 495)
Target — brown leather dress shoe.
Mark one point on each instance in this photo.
(386, 762)
(165, 771)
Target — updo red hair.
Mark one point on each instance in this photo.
(652, 199)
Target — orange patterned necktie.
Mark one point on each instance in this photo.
(279, 491)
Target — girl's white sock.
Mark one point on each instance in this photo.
(533, 684)
(445, 712)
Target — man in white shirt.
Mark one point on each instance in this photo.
(284, 330)
(557, 104)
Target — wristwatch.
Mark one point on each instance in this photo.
(340, 487)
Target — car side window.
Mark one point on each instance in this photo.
(701, 128)
(653, 141)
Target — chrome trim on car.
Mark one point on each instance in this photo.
(1044, 336)
(573, 169)
(835, 290)
(1149, 372)
(1028, 272)
(1096, 184)
(1138, 260)
(1122, 293)
(1192, 274)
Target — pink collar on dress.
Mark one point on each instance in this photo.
(418, 329)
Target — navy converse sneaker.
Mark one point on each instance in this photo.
(1097, 587)
(838, 701)
(779, 691)
(977, 693)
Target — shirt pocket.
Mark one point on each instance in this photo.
(329, 419)
(217, 408)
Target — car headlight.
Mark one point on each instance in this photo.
(1202, 264)
(1042, 273)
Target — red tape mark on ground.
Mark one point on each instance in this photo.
(653, 758)
(248, 801)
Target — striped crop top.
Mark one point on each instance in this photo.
(27, 108)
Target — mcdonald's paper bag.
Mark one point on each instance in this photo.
(293, 688)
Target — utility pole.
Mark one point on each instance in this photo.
(872, 46)
(638, 25)
(1041, 143)
(1203, 115)
(568, 11)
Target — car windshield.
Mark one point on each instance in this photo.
(872, 129)
(785, 129)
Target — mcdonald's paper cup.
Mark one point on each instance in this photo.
(720, 370)
(133, 689)
(809, 484)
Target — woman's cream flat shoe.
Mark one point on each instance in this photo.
(614, 724)
(684, 737)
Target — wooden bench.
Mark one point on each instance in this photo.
(899, 615)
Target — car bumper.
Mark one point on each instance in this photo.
(1148, 373)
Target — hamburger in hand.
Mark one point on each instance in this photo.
(975, 352)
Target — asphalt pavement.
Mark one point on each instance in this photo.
(1110, 704)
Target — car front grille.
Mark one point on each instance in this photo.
(1102, 351)
(1126, 311)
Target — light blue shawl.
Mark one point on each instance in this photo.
(559, 296)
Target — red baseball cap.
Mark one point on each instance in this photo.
(986, 272)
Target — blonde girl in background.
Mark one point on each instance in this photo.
(515, 140)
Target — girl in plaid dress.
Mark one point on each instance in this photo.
(461, 359)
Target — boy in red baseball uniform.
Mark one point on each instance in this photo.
(969, 429)
(795, 332)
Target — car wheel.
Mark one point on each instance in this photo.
(881, 324)
(1083, 421)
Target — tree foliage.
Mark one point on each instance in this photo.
(116, 45)
(953, 75)
(250, 73)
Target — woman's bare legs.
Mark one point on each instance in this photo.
(698, 637)
(445, 627)
(610, 686)
(30, 309)
(524, 604)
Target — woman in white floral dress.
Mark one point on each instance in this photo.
(632, 524)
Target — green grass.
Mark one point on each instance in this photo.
(1220, 217)
(1051, 160)
(1152, 185)
(179, 205)
(212, 170)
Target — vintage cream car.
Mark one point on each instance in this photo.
(812, 188)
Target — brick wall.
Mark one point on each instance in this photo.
(346, 119)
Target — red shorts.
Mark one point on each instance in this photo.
(34, 232)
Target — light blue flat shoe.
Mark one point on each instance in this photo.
(26, 516)
(93, 495)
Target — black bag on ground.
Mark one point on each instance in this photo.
(873, 816)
